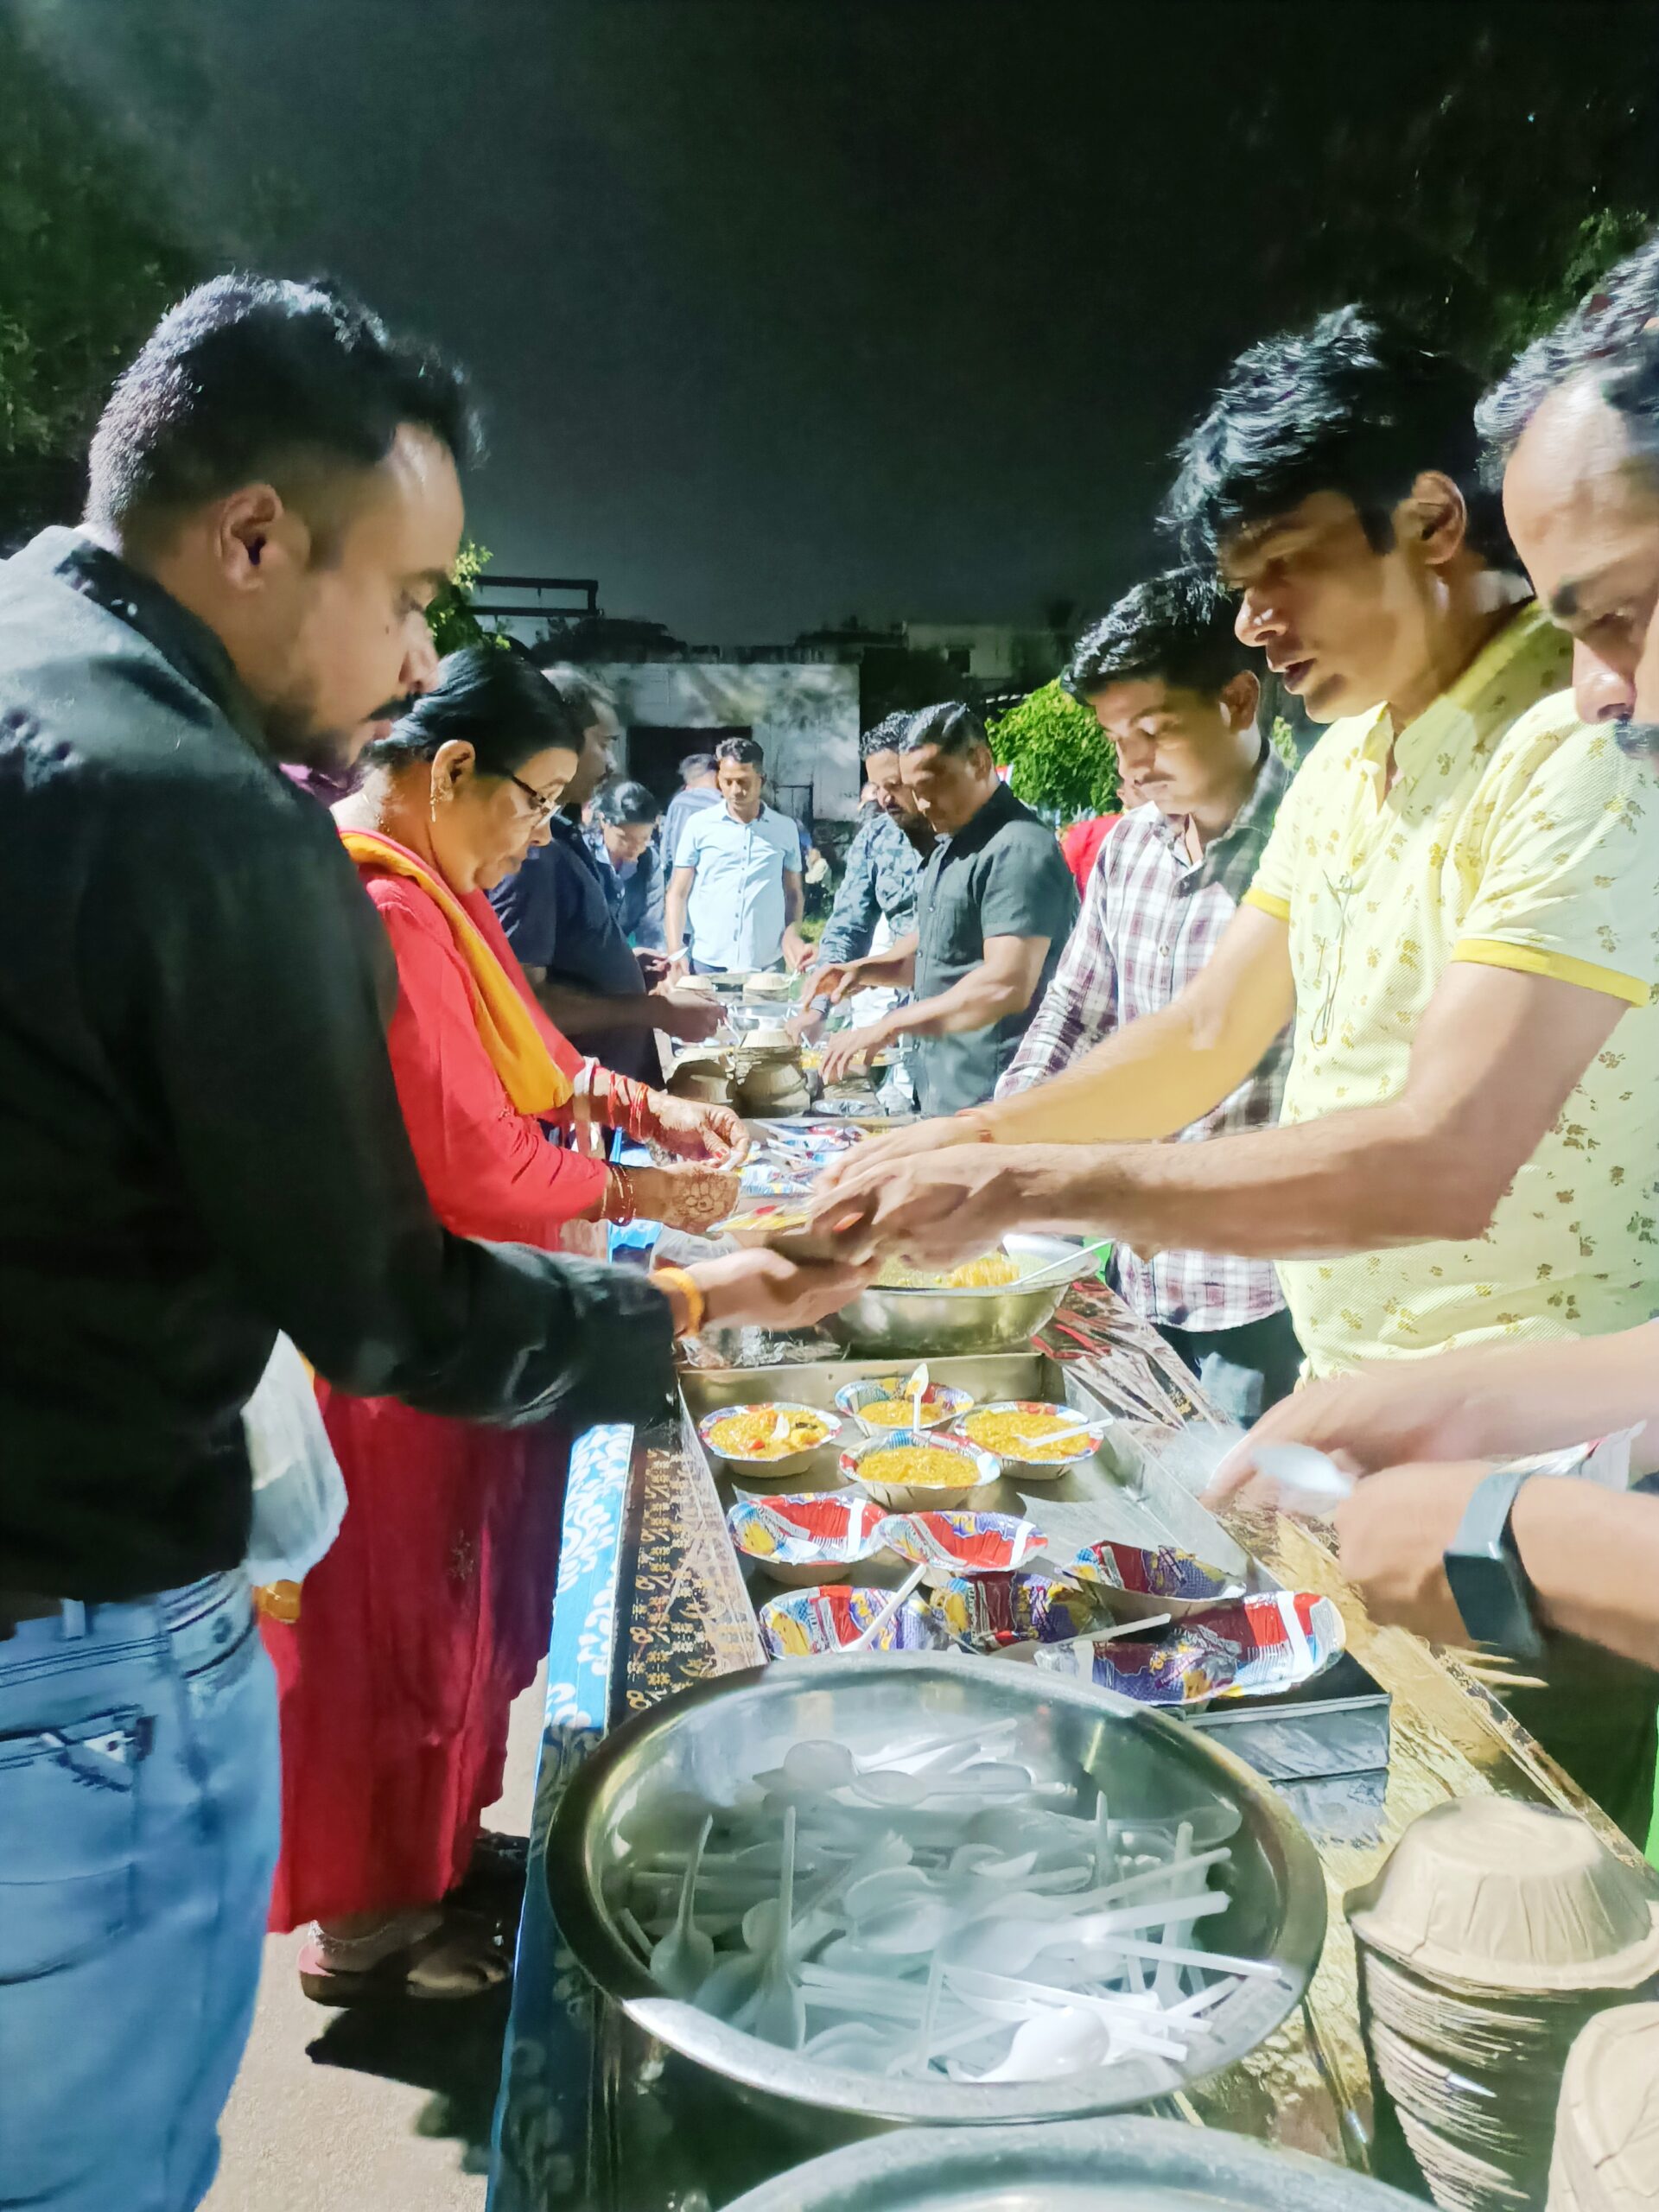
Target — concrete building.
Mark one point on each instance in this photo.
(803, 712)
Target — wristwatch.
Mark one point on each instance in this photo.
(1488, 1584)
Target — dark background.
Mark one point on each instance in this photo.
(784, 312)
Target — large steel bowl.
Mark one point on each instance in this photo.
(711, 1739)
(929, 1323)
(1093, 2165)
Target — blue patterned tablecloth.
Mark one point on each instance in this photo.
(541, 2143)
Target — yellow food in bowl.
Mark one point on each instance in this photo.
(924, 1465)
(752, 1435)
(899, 1412)
(1020, 1436)
(990, 1272)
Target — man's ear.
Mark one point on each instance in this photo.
(255, 534)
(1433, 522)
(1240, 699)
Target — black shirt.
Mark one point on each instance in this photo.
(199, 1135)
(557, 914)
(1002, 875)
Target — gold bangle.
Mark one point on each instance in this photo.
(697, 1305)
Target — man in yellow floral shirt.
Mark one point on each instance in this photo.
(1457, 906)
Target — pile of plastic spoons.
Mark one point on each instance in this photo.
(932, 1908)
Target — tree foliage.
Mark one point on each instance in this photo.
(1485, 212)
(88, 260)
(450, 616)
(1056, 755)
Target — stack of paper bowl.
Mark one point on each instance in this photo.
(1493, 1934)
(1607, 2130)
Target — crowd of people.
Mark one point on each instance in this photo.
(332, 969)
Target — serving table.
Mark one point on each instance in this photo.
(652, 1597)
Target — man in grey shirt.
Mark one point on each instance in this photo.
(996, 907)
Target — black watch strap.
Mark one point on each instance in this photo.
(1489, 1583)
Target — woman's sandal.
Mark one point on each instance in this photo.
(450, 1962)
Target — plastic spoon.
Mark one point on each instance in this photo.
(1308, 1481)
(916, 1390)
(683, 1959)
(1064, 2041)
(778, 2014)
(1013, 1944)
(865, 1641)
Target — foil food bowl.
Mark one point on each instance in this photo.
(712, 1739)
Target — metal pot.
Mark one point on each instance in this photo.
(929, 1323)
(1097, 2166)
(712, 1738)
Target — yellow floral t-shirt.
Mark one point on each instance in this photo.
(1515, 836)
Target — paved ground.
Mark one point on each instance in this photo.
(343, 2112)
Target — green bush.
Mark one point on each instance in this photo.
(1057, 758)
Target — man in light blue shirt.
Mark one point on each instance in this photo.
(735, 897)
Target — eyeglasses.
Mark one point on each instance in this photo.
(541, 807)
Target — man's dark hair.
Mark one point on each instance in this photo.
(499, 703)
(587, 698)
(697, 764)
(624, 804)
(256, 380)
(1354, 405)
(952, 726)
(745, 751)
(1176, 628)
(883, 736)
(1610, 327)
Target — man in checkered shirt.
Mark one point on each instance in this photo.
(1177, 696)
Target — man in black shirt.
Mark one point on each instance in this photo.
(201, 1144)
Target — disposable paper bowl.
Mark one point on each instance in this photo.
(1607, 2132)
(1083, 1446)
(1489, 1894)
(756, 1469)
(979, 1471)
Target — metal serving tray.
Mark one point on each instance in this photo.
(1119, 1495)
(1324, 1747)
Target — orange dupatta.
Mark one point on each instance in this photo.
(532, 1079)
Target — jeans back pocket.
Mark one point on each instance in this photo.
(69, 1837)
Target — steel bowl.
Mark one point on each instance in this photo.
(1092, 2165)
(929, 1323)
(711, 1739)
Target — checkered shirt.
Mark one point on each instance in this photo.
(1150, 921)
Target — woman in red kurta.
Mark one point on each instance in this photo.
(431, 1612)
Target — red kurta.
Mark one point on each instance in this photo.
(431, 1611)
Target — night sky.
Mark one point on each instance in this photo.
(781, 311)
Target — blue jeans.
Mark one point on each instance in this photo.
(139, 1811)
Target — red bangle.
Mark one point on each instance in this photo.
(618, 1196)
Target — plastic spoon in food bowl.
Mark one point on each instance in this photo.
(988, 1778)
(916, 1390)
(1082, 1424)
(683, 1959)
(866, 1642)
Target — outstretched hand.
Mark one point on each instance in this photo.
(765, 1289)
(898, 1144)
(938, 1209)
